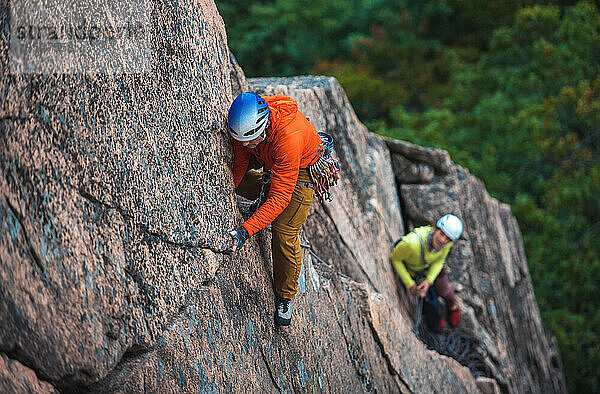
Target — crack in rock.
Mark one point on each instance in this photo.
(127, 216)
(96, 201)
(16, 118)
(19, 356)
(135, 351)
(154, 236)
(387, 358)
(132, 355)
(365, 380)
(147, 291)
(204, 245)
(361, 290)
(262, 353)
(34, 256)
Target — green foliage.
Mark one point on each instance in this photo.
(511, 89)
(286, 37)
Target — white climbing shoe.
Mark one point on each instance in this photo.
(283, 311)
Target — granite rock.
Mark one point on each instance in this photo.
(17, 378)
(116, 197)
(107, 227)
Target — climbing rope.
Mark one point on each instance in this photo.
(418, 315)
(464, 348)
(325, 171)
(307, 246)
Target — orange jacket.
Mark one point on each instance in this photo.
(292, 144)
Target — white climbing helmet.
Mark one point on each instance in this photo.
(451, 226)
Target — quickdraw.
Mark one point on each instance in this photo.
(325, 171)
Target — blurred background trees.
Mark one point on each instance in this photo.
(510, 88)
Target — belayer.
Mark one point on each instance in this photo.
(270, 132)
(423, 252)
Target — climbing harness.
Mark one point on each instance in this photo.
(305, 184)
(325, 171)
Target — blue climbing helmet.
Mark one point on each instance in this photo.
(248, 116)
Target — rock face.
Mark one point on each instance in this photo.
(116, 197)
(16, 378)
(109, 224)
(489, 264)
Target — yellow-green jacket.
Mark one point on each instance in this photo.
(406, 257)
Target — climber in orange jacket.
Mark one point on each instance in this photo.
(271, 131)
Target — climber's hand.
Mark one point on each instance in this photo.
(239, 235)
(413, 290)
(423, 287)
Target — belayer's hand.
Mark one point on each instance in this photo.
(423, 287)
(413, 290)
(240, 235)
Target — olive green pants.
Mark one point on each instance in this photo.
(285, 245)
